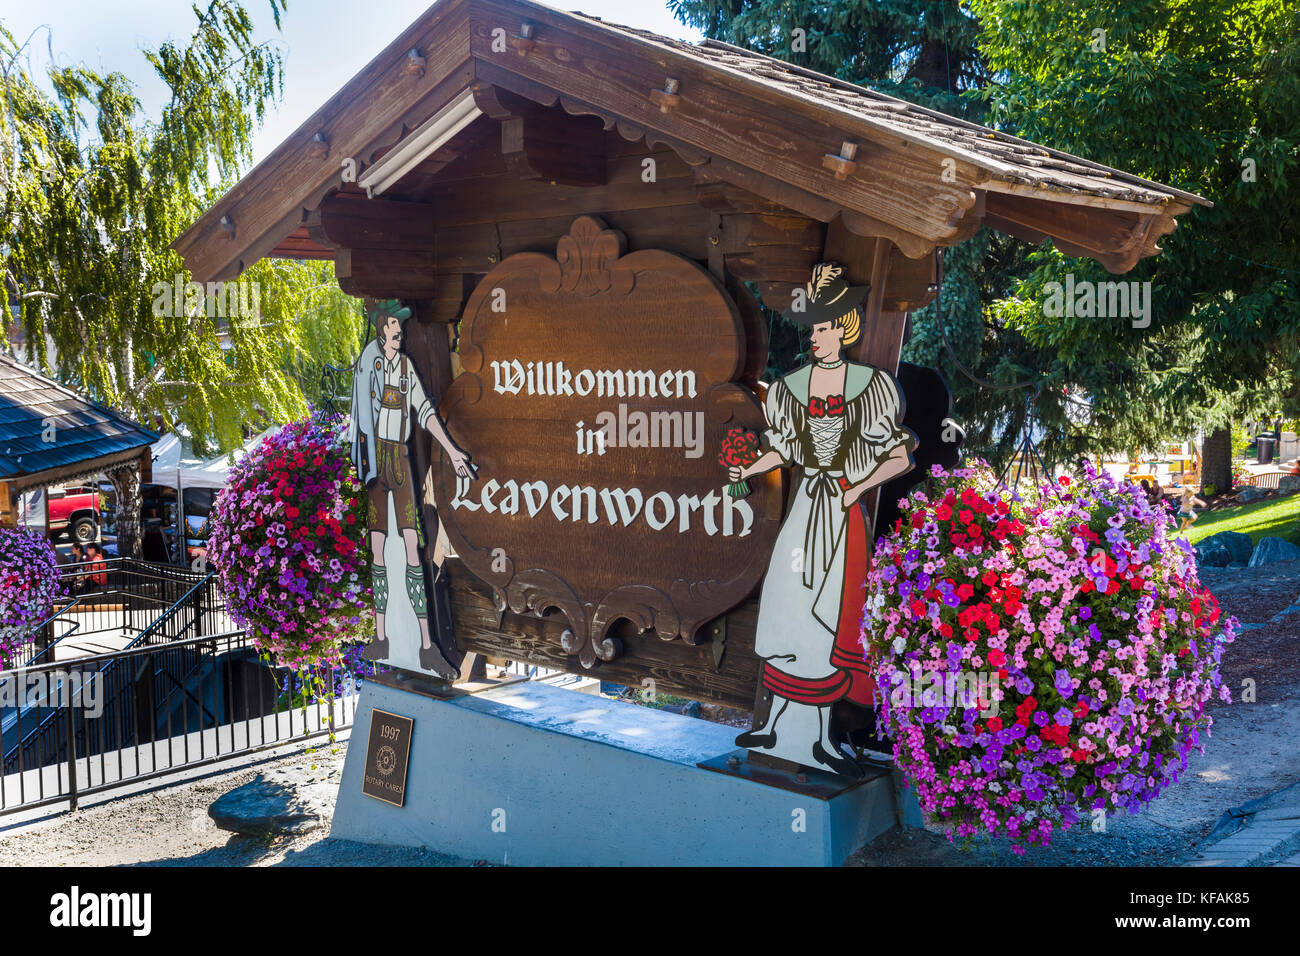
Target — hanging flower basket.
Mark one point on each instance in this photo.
(1042, 661)
(289, 545)
(29, 586)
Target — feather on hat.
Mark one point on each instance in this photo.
(826, 296)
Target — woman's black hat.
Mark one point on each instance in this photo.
(826, 297)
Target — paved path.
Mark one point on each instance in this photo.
(1267, 832)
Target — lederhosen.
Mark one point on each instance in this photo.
(393, 468)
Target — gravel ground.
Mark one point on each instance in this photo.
(171, 827)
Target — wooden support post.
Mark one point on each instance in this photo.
(8, 506)
(881, 342)
(126, 487)
(429, 346)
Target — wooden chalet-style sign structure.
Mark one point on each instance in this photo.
(502, 151)
(50, 435)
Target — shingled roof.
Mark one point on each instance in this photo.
(87, 436)
(1007, 158)
(819, 146)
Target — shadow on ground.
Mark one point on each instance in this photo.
(241, 850)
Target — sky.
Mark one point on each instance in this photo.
(325, 42)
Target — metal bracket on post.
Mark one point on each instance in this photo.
(717, 264)
(718, 640)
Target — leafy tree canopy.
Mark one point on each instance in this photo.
(1201, 95)
(92, 193)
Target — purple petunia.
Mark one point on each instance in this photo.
(1096, 660)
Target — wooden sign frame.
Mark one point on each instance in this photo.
(650, 309)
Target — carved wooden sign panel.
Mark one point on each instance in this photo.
(597, 391)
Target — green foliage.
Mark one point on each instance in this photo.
(921, 50)
(331, 325)
(1241, 439)
(975, 275)
(92, 194)
(1181, 92)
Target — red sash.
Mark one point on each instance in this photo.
(847, 654)
(851, 677)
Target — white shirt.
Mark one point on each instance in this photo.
(388, 427)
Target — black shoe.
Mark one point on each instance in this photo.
(431, 659)
(839, 763)
(751, 739)
(376, 650)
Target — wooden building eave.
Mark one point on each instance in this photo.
(795, 143)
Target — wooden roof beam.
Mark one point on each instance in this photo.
(1115, 238)
(269, 202)
(542, 143)
(382, 248)
(905, 188)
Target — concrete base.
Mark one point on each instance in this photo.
(529, 774)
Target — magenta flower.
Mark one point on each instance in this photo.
(1098, 651)
(29, 586)
(289, 545)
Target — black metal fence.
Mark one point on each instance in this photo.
(112, 601)
(141, 673)
(77, 727)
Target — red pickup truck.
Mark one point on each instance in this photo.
(75, 511)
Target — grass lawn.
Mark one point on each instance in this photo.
(1279, 519)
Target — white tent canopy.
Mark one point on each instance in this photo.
(176, 466)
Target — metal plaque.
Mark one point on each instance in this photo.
(387, 755)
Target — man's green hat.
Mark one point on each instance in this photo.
(388, 308)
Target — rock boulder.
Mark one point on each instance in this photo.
(1238, 547)
(1270, 550)
(282, 801)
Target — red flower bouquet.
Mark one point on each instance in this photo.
(739, 450)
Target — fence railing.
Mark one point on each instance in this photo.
(155, 708)
(185, 618)
(112, 601)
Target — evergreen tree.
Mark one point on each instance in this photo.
(1202, 95)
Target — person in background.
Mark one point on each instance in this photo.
(1161, 502)
(1156, 495)
(97, 567)
(1187, 509)
(77, 579)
